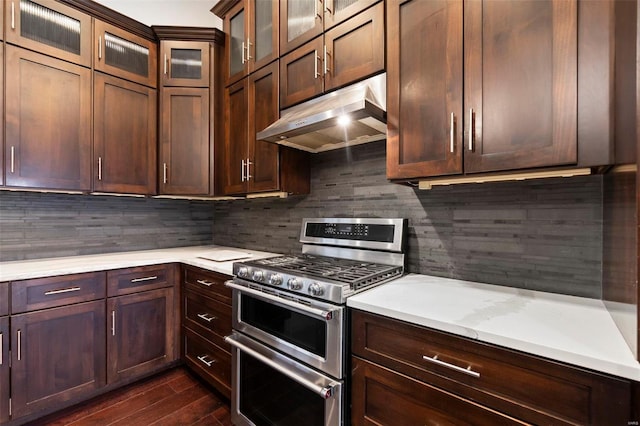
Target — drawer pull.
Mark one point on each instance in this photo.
(19, 345)
(205, 282)
(203, 359)
(467, 370)
(63, 290)
(137, 280)
(207, 317)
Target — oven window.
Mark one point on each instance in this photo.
(300, 330)
(268, 397)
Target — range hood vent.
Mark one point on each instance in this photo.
(353, 115)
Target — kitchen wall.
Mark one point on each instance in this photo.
(539, 234)
(35, 225)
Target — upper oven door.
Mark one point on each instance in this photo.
(306, 329)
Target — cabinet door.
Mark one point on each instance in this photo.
(4, 369)
(263, 43)
(48, 128)
(336, 11)
(125, 55)
(124, 136)
(58, 355)
(235, 141)
(209, 361)
(300, 21)
(4, 299)
(424, 86)
(263, 110)
(185, 63)
(235, 28)
(184, 141)
(520, 84)
(140, 338)
(301, 73)
(50, 28)
(354, 50)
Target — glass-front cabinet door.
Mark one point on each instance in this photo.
(336, 11)
(50, 28)
(300, 21)
(263, 33)
(236, 43)
(125, 55)
(184, 63)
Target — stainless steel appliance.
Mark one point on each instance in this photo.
(289, 318)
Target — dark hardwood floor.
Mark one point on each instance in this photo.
(171, 398)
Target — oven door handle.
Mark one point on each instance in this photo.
(324, 392)
(322, 314)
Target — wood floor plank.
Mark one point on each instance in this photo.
(182, 383)
(223, 415)
(191, 413)
(209, 420)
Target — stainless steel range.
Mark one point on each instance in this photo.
(290, 334)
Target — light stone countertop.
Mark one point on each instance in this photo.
(574, 330)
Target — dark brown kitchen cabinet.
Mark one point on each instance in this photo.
(51, 28)
(206, 320)
(125, 55)
(140, 335)
(185, 63)
(398, 362)
(252, 37)
(57, 355)
(251, 165)
(303, 20)
(4, 369)
(2, 97)
(345, 54)
(48, 122)
(141, 278)
(4, 299)
(124, 136)
(520, 78)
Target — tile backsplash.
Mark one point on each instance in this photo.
(539, 234)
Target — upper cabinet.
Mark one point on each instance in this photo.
(303, 20)
(346, 53)
(125, 55)
(252, 37)
(51, 28)
(185, 63)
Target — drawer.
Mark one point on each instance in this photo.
(208, 360)
(383, 397)
(208, 317)
(49, 292)
(4, 299)
(524, 386)
(209, 283)
(133, 280)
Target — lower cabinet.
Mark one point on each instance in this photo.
(206, 320)
(408, 374)
(4, 368)
(57, 355)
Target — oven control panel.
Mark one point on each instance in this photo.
(368, 233)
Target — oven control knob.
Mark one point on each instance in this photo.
(294, 284)
(275, 279)
(258, 276)
(243, 272)
(316, 289)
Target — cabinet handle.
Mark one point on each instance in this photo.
(249, 163)
(242, 171)
(1, 347)
(452, 133)
(327, 8)
(100, 47)
(63, 290)
(13, 15)
(137, 280)
(467, 370)
(471, 127)
(243, 58)
(13, 159)
(207, 317)
(204, 282)
(317, 74)
(113, 323)
(248, 49)
(316, 10)
(326, 67)
(19, 345)
(165, 64)
(164, 172)
(203, 359)
(99, 168)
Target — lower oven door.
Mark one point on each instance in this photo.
(306, 329)
(270, 388)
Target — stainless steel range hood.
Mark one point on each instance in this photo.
(353, 115)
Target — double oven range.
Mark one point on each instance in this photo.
(290, 328)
